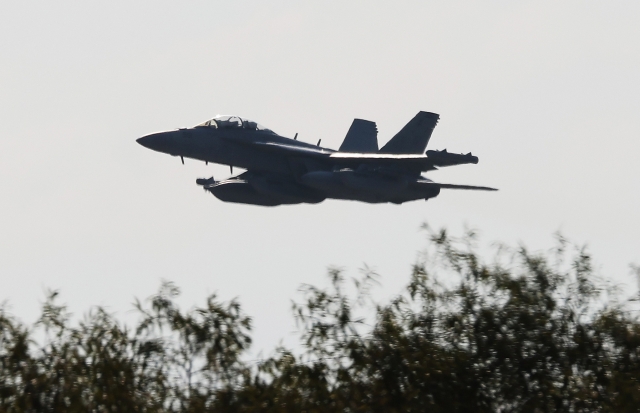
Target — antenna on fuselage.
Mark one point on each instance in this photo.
(295, 138)
(231, 168)
(182, 159)
(319, 140)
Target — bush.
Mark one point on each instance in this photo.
(522, 331)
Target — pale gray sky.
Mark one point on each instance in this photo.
(547, 94)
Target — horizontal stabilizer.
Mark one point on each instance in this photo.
(415, 135)
(454, 186)
(469, 187)
(362, 137)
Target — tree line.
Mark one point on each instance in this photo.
(508, 330)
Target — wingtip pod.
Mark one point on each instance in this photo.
(444, 158)
(205, 181)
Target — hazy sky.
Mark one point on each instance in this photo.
(547, 94)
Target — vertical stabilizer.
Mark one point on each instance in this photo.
(361, 138)
(415, 135)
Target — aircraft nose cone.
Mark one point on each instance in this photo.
(167, 142)
(146, 141)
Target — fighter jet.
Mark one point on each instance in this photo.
(281, 170)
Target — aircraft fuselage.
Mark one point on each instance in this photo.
(226, 147)
(286, 171)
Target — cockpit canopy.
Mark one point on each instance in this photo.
(234, 122)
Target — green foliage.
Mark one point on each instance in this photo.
(172, 361)
(523, 331)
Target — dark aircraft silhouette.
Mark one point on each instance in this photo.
(286, 171)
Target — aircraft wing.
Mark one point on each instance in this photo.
(430, 162)
(424, 163)
(314, 152)
(419, 162)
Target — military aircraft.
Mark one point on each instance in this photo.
(281, 170)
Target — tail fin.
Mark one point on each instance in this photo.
(361, 138)
(415, 135)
